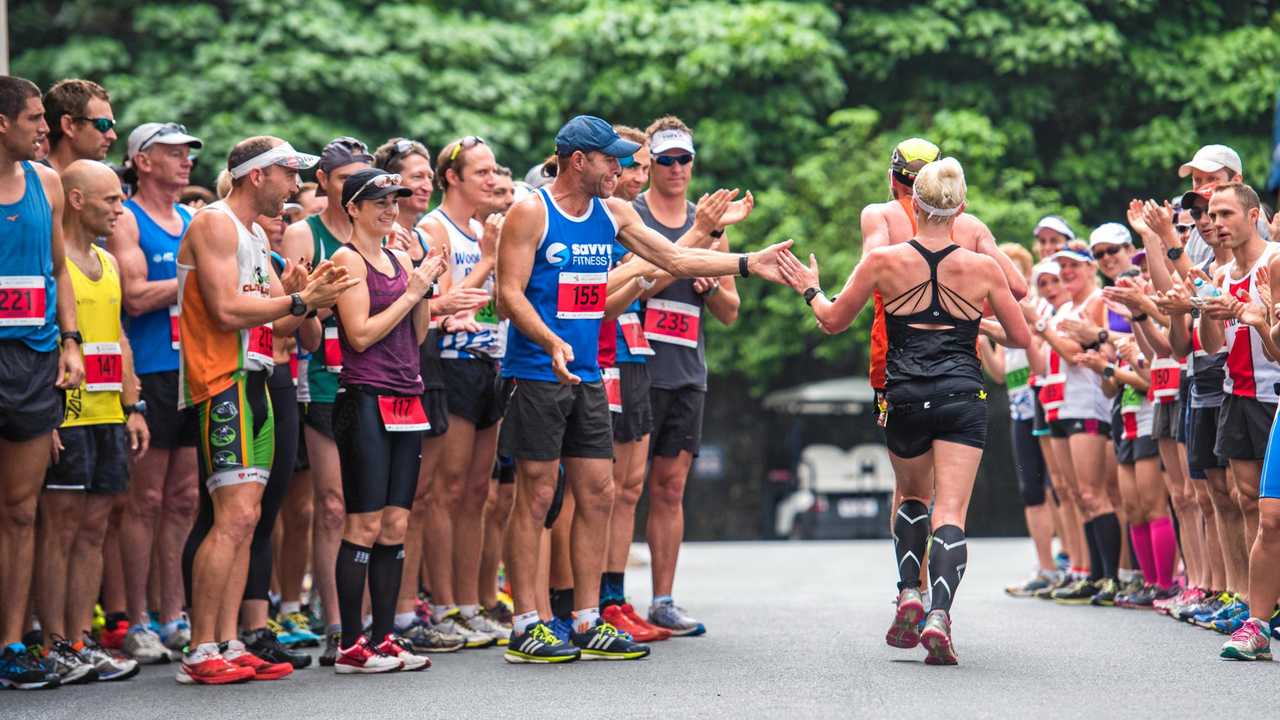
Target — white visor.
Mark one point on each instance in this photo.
(282, 154)
(1048, 267)
(664, 140)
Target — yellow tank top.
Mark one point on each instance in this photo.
(97, 400)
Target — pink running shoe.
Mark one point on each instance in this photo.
(905, 630)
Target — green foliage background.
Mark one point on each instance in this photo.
(1068, 106)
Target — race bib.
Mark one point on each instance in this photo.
(293, 366)
(22, 300)
(581, 296)
(672, 322)
(332, 351)
(402, 414)
(613, 388)
(103, 367)
(1166, 377)
(1017, 379)
(1053, 392)
(175, 328)
(487, 315)
(633, 334)
(260, 350)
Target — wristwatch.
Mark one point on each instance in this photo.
(1109, 371)
(717, 233)
(1103, 335)
(72, 335)
(810, 294)
(1041, 325)
(139, 407)
(1174, 253)
(743, 269)
(1139, 318)
(297, 307)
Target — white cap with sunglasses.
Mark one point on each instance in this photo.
(148, 134)
(1110, 234)
(673, 139)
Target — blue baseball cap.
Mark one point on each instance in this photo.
(591, 134)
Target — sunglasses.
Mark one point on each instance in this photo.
(465, 143)
(378, 182)
(1103, 252)
(1197, 211)
(1183, 229)
(352, 144)
(404, 146)
(101, 124)
(669, 160)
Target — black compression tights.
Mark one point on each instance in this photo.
(910, 537)
(284, 400)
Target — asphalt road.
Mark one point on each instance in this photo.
(795, 630)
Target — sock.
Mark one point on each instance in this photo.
(1095, 557)
(910, 538)
(349, 575)
(201, 652)
(611, 592)
(662, 600)
(405, 620)
(585, 619)
(235, 649)
(1164, 547)
(522, 621)
(385, 568)
(562, 603)
(948, 556)
(1140, 541)
(469, 611)
(1107, 529)
(288, 607)
(439, 611)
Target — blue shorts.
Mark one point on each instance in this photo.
(1269, 484)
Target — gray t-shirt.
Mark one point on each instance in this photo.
(674, 365)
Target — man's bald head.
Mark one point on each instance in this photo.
(94, 198)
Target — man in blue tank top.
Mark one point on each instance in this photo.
(37, 311)
(553, 262)
(162, 494)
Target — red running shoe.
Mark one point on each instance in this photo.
(112, 635)
(262, 670)
(399, 649)
(662, 633)
(613, 615)
(213, 670)
(363, 658)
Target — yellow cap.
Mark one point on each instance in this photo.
(912, 154)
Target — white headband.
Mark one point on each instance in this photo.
(933, 211)
(282, 154)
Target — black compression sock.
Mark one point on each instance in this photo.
(611, 589)
(1107, 528)
(385, 567)
(948, 556)
(1095, 557)
(349, 575)
(562, 603)
(910, 537)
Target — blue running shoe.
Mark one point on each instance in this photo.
(297, 630)
(1226, 612)
(539, 645)
(1239, 612)
(561, 628)
(604, 642)
(1207, 610)
(20, 669)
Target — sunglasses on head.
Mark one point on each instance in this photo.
(101, 124)
(1100, 253)
(377, 182)
(166, 129)
(669, 160)
(402, 147)
(465, 143)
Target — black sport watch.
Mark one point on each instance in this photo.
(810, 294)
(297, 307)
(72, 335)
(139, 407)
(1109, 372)
(1174, 253)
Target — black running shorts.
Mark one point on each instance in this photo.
(1244, 426)
(473, 392)
(911, 432)
(94, 458)
(677, 421)
(1202, 440)
(170, 427)
(636, 419)
(548, 421)
(31, 404)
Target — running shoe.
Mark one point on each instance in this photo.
(110, 667)
(672, 617)
(540, 646)
(1142, 599)
(297, 630)
(1108, 589)
(143, 644)
(454, 624)
(500, 613)
(20, 670)
(604, 642)
(614, 615)
(630, 611)
(905, 630)
(1228, 610)
(177, 640)
(237, 653)
(400, 649)
(1250, 641)
(1233, 619)
(113, 632)
(330, 654)
(936, 638)
(1206, 608)
(1063, 562)
(562, 628)
(1080, 592)
(72, 667)
(427, 639)
(1039, 581)
(481, 624)
(363, 658)
(1063, 580)
(264, 644)
(211, 669)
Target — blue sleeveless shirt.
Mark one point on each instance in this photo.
(28, 291)
(150, 334)
(567, 288)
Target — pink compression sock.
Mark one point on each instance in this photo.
(1140, 534)
(1164, 546)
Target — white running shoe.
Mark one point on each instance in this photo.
(144, 645)
(454, 624)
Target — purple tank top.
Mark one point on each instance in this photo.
(392, 362)
(1117, 322)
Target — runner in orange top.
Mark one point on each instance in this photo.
(893, 222)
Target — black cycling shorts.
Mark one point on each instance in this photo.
(912, 429)
(548, 421)
(170, 427)
(94, 458)
(1139, 448)
(379, 467)
(1079, 426)
(636, 419)
(1244, 428)
(473, 392)
(319, 417)
(677, 421)
(1028, 463)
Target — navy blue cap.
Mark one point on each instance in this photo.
(589, 133)
(362, 183)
